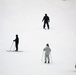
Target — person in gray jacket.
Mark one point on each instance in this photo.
(47, 50)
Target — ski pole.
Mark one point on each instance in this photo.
(51, 57)
(13, 48)
(11, 45)
(42, 56)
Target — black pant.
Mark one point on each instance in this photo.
(16, 46)
(45, 24)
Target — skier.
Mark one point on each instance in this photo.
(16, 42)
(75, 65)
(46, 21)
(47, 53)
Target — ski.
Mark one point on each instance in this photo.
(13, 51)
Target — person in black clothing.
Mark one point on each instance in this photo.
(46, 21)
(16, 42)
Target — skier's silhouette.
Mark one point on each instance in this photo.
(47, 50)
(46, 21)
(16, 42)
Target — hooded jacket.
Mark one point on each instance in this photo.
(47, 50)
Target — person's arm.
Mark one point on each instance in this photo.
(50, 49)
(48, 19)
(14, 40)
(44, 49)
(43, 19)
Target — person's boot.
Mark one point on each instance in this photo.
(16, 50)
(48, 61)
(45, 61)
(44, 28)
(48, 28)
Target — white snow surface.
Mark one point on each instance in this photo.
(24, 17)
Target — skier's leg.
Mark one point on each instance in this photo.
(48, 59)
(16, 47)
(47, 25)
(44, 25)
(45, 58)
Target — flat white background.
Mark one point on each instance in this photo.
(24, 17)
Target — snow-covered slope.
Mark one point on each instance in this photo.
(24, 17)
